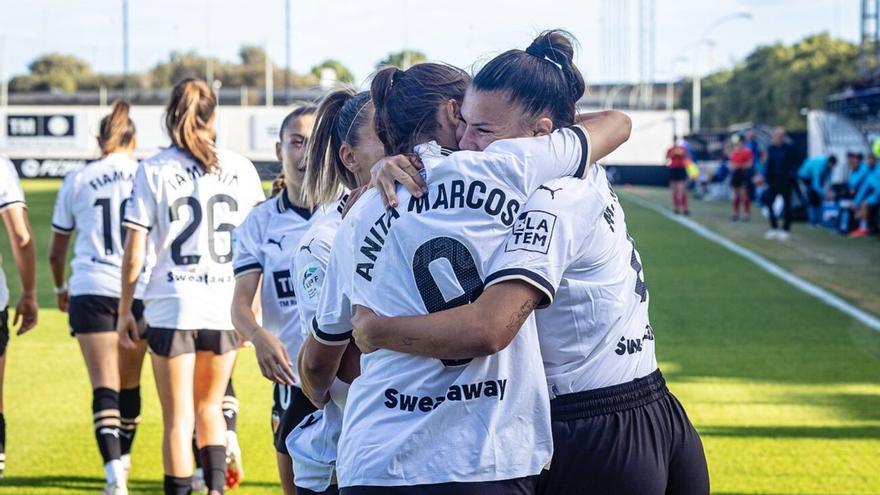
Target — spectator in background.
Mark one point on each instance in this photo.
(814, 174)
(741, 161)
(857, 173)
(867, 198)
(751, 143)
(840, 175)
(860, 173)
(676, 160)
(780, 171)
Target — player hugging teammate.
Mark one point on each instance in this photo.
(498, 298)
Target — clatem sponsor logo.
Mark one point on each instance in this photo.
(532, 231)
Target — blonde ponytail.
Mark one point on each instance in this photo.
(117, 129)
(188, 118)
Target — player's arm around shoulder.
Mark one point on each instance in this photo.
(607, 131)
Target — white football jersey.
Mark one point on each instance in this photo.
(596, 333)
(91, 202)
(191, 216)
(309, 263)
(11, 196)
(415, 420)
(313, 443)
(265, 243)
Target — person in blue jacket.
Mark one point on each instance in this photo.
(814, 174)
(867, 198)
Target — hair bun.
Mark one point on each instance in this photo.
(557, 46)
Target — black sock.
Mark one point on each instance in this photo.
(230, 407)
(2, 442)
(195, 448)
(129, 417)
(105, 414)
(2, 433)
(178, 485)
(214, 466)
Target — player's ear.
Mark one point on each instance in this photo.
(542, 126)
(453, 112)
(349, 159)
(134, 142)
(278, 151)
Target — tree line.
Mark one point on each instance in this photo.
(770, 86)
(775, 82)
(68, 73)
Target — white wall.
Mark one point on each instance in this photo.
(252, 132)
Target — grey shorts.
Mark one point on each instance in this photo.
(170, 342)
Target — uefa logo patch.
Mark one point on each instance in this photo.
(311, 282)
(532, 231)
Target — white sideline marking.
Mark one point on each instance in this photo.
(812, 289)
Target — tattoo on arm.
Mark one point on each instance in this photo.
(517, 318)
(409, 341)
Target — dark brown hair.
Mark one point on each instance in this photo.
(117, 129)
(542, 78)
(406, 102)
(340, 117)
(187, 119)
(300, 111)
(278, 185)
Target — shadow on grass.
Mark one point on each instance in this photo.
(805, 432)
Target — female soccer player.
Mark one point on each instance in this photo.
(90, 203)
(741, 161)
(265, 244)
(344, 147)
(14, 214)
(676, 162)
(421, 425)
(596, 339)
(189, 197)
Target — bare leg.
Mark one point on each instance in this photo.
(174, 381)
(212, 374)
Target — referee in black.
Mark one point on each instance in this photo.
(780, 172)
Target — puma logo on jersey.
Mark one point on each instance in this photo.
(532, 231)
(394, 399)
(551, 191)
(308, 422)
(308, 247)
(278, 242)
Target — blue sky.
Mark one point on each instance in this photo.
(361, 32)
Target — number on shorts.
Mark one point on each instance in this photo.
(463, 266)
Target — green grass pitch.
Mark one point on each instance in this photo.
(784, 390)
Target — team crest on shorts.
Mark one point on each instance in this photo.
(532, 231)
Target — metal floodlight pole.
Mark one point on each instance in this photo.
(286, 50)
(696, 103)
(125, 67)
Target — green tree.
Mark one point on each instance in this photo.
(55, 72)
(180, 65)
(343, 75)
(403, 59)
(775, 82)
